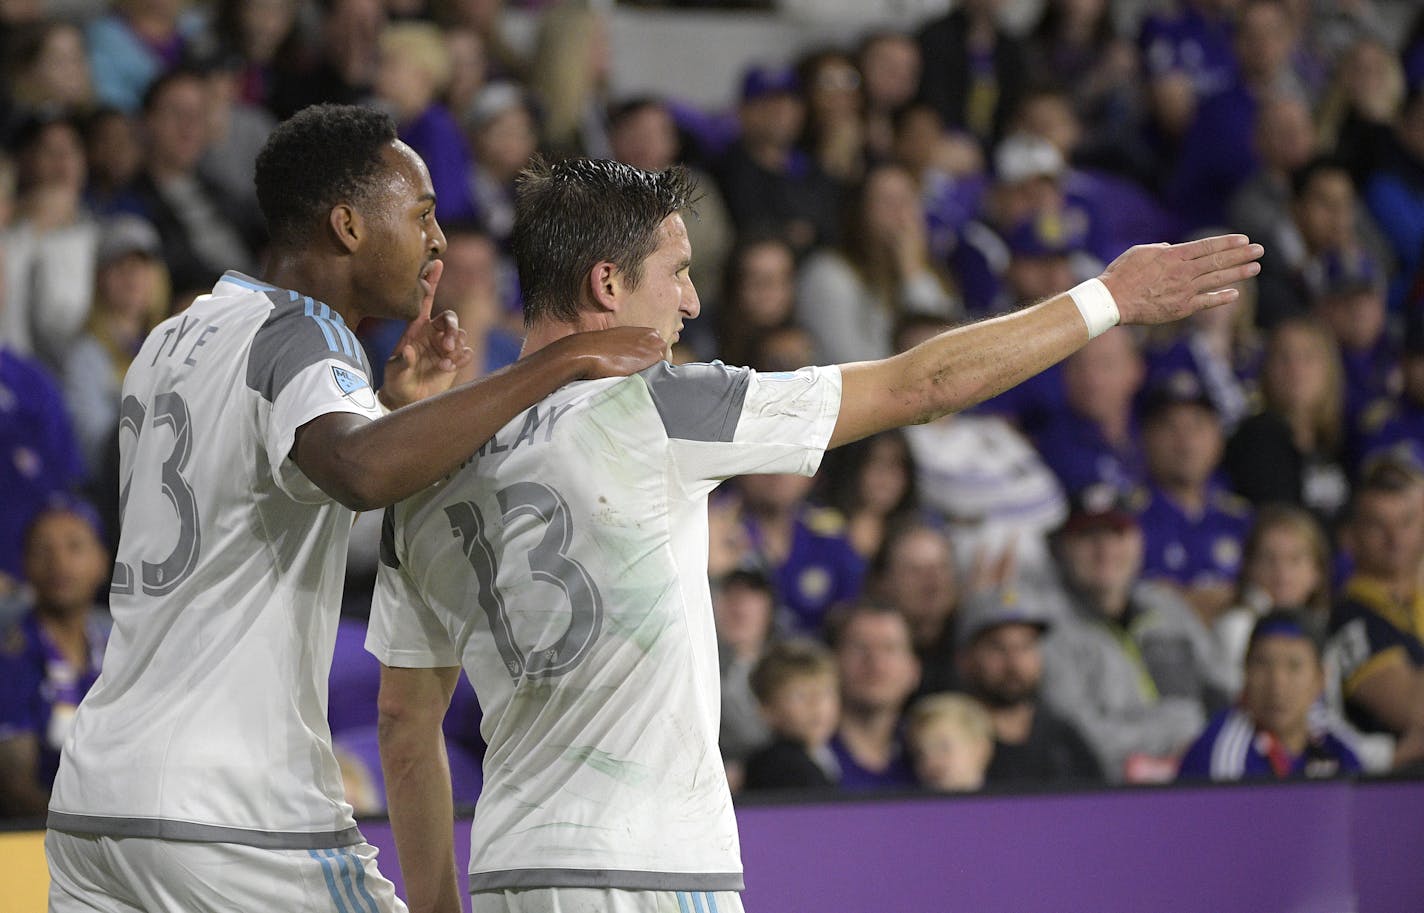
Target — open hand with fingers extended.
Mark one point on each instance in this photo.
(1159, 283)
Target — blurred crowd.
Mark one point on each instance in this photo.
(1193, 553)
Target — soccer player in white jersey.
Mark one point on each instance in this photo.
(199, 773)
(564, 565)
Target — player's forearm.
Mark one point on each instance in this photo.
(957, 369)
(418, 796)
(367, 465)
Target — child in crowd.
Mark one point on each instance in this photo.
(951, 742)
(1277, 729)
(799, 692)
(51, 656)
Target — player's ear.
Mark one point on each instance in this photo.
(347, 226)
(605, 285)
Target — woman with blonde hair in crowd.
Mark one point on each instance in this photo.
(1290, 451)
(569, 77)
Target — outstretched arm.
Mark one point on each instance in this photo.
(412, 705)
(1149, 284)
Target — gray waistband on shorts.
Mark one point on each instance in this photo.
(187, 831)
(621, 879)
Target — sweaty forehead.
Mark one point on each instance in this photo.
(406, 175)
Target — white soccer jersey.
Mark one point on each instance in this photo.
(209, 720)
(565, 566)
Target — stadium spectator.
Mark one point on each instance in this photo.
(348, 57)
(769, 184)
(948, 169)
(50, 658)
(414, 70)
(849, 297)
(1377, 624)
(194, 217)
(49, 250)
(1217, 153)
(890, 65)
(469, 68)
(834, 133)
(643, 134)
(266, 36)
(872, 483)
(130, 298)
(802, 547)
(1291, 451)
(1349, 298)
(795, 684)
(1285, 564)
(1000, 661)
(503, 133)
(759, 296)
(743, 608)
(1362, 104)
(237, 129)
(951, 741)
(974, 70)
(1275, 732)
(914, 573)
(133, 44)
(48, 70)
(115, 153)
(1094, 440)
(1192, 526)
(1283, 138)
(569, 74)
(1220, 351)
(878, 672)
(1129, 666)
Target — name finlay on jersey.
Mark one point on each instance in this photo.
(354, 387)
(536, 428)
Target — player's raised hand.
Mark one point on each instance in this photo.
(615, 352)
(430, 356)
(1158, 283)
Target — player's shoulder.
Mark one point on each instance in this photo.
(701, 401)
(297, 332)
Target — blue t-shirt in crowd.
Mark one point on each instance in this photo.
(1193, 550)
(821, 569)
(1077, 450)
(1232, 748)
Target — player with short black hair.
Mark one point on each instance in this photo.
(199, 774)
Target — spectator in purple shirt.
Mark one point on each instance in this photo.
(878, 673)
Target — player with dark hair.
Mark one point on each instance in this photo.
(199, 774)
(565, 565)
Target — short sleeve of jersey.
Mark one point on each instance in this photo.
(306, 363)
(723, 421)
(403, 631)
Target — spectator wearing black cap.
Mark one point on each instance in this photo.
(51, 656)
(1192, 526)
(1279, 730)
(1000, 661)
(1130, 665)
(769, 184)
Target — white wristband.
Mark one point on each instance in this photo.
(1096, 305)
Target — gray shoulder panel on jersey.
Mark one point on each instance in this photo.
(188, 832)
(698, 402)
(619, 879)
(388, 539)
(299, 333)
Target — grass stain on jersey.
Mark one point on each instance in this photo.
(630, 772)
